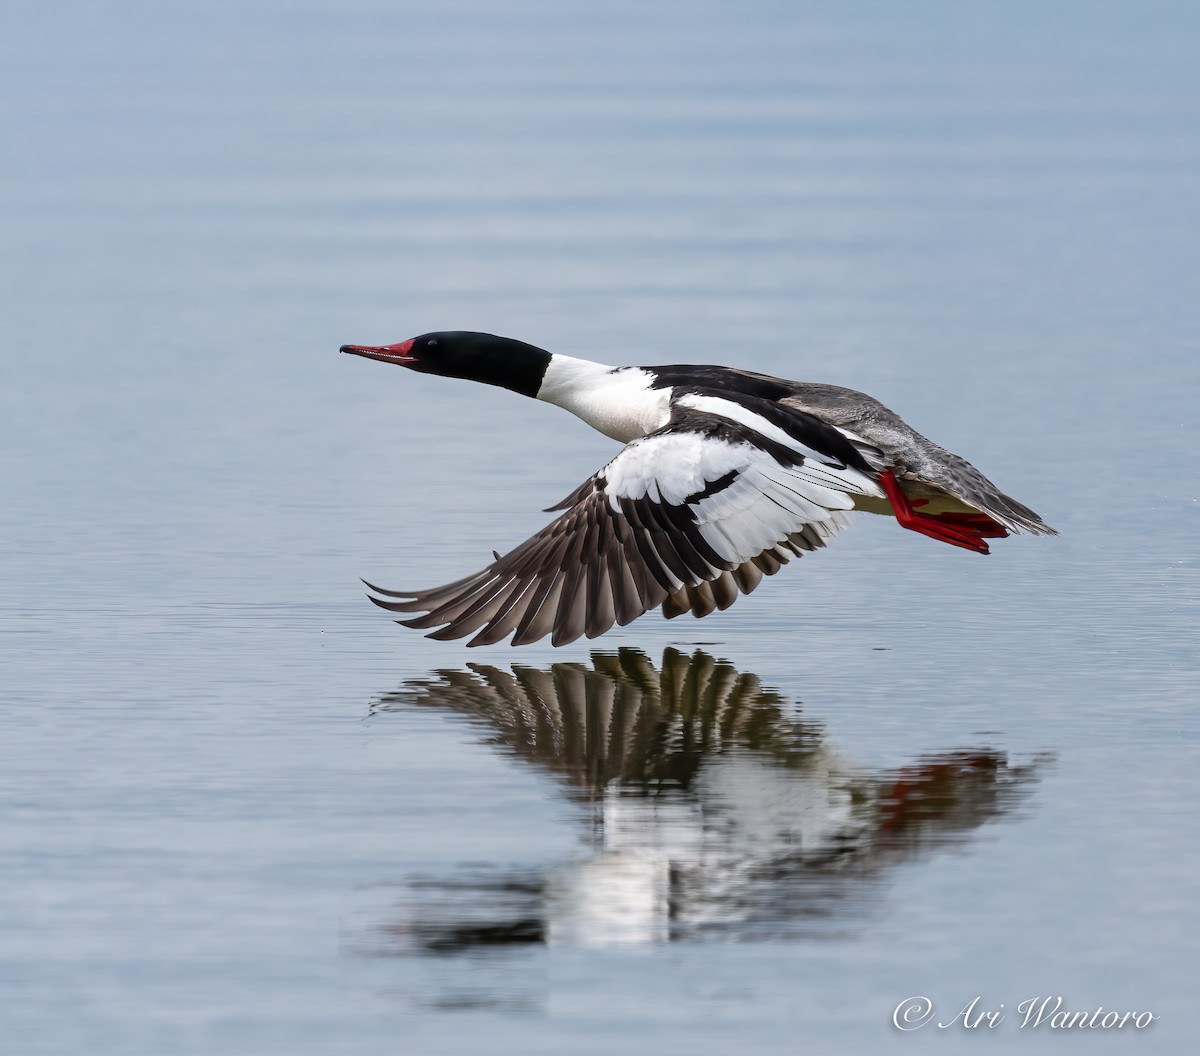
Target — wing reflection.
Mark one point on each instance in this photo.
(718, 811)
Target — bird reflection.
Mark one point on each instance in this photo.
(718, 811)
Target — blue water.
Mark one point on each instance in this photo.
(243, 812)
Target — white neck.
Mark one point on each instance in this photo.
(617, 401)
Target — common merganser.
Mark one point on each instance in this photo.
(725, 475)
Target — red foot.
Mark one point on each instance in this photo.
(923, 792)
(962, 531)
(977, 522)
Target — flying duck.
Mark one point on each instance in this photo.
(724, 477)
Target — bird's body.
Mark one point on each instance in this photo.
(725, 475)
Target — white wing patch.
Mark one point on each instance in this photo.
(763, 504)
(670, 467)
(757, 511)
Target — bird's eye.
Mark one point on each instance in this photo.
(432, 343)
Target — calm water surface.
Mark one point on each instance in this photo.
(243, 812)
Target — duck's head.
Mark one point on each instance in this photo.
(465, 354)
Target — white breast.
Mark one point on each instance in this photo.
(617, 401)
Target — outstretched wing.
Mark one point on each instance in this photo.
(687, 517)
